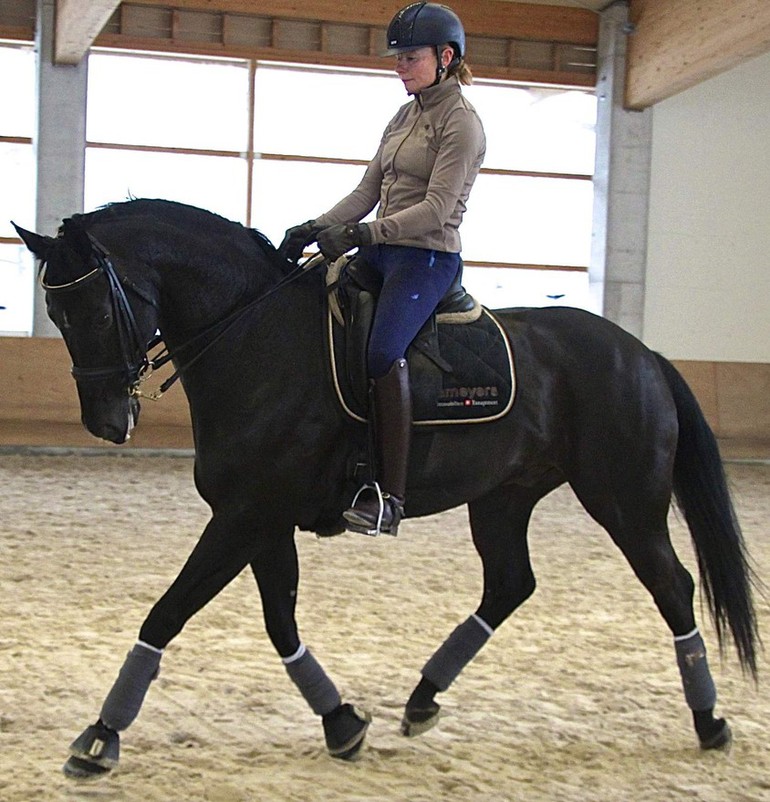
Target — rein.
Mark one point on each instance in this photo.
(226, 323)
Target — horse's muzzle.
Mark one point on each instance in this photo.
(117, 426)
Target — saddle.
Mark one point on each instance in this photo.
(460, 363)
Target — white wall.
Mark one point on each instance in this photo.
(708, 259)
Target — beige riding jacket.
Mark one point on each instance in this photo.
(422, 174)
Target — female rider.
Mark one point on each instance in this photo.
(421, 176)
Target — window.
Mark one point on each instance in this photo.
(540, 153)
(271, 145)
(168, 128)
(17, 187)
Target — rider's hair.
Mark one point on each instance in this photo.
(462, 71)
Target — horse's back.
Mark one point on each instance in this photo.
(603, 388)
(579, 347)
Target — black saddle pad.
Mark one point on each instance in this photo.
(460, 373)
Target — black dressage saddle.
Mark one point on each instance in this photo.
(460, 363)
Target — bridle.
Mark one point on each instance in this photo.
(136, 366)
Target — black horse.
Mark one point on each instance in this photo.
(274, 449)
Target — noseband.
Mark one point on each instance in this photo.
(135, 364)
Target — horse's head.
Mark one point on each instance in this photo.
(108, 317)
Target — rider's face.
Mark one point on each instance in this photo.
(417, 68)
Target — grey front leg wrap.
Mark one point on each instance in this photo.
(699, 689)
(125, 698)
(313, 683)
(456, 652)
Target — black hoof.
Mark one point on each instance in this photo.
(713, 733)
(721, 739)
(418, 720)
(93, 753)
(345, 731)
(79, 769)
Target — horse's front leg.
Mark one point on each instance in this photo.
(228, 544)
(277, 575)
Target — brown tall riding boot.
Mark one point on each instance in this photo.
(370, 514)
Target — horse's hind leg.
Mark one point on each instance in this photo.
(344, 729)
(637, 523)
(499, 524)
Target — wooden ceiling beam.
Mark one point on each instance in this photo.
(480, 17)
(676, 45)
(78, 23)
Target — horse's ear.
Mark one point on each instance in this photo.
(37, 243)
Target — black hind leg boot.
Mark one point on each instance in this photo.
(372, 512)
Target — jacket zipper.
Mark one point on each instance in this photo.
(418, 100)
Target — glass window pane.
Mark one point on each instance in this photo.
(17, 187)
(216, 183)
(17, 91)
(546, 130)
(323, 113)
(529, 220)
(287, 193)
(502, 287)
(17, 285)
(138, 100)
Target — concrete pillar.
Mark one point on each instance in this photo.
(621, 184)
(59, 143)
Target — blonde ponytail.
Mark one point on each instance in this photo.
(463, 73)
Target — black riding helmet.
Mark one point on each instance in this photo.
(427, 25)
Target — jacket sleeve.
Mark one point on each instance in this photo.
(361, 200)
(458, 160)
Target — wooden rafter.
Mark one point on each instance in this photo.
(480, 17)
(676, 45)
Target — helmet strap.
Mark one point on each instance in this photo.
(440, 68)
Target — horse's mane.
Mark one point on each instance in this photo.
(180, 215)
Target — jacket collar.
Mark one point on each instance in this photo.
(433, 95)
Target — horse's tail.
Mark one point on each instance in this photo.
(702, 495)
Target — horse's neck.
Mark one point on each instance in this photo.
(279, 323)
(201, 275)
(202, 290)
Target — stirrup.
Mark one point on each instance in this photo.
(365, 529)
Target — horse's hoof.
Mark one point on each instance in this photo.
(79, 769)
(416, 721)
(345, 730)
(721, 739)
(93, 753)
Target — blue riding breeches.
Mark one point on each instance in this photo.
(414, 280)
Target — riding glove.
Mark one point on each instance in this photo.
(296, 238)
(336, 240)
